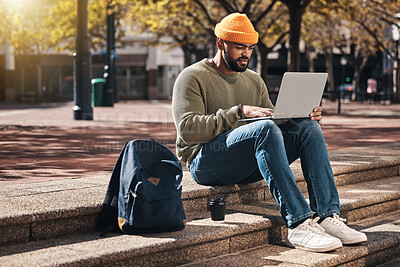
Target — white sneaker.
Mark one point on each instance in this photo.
(312, 237)
(336, 227)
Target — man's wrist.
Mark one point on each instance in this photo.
(240, 111)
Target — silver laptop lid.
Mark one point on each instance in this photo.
(299, 94)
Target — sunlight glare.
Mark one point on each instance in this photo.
(14, 3)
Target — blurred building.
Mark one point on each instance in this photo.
(142, 72)
(149, 72)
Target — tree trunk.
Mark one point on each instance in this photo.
(187, 55)
(294, 40)
(329, 67)
(356, 92)
(364, 60)
(39, 84)
(396, 75)
(358, 62)
(296, 9)
(311, 55)
(262, 65)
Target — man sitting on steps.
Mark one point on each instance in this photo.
(209, 99)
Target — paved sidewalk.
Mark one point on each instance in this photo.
(44, 142)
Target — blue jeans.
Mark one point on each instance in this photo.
(264, 150)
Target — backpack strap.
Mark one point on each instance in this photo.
(173, 162)
(107, 219)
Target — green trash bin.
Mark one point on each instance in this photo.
(99, 92)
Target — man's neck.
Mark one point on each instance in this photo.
(219, 64)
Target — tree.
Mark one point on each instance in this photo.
(361, 48)
(28, 36)
(268, 18)
(28, 33)
(327, 28)
(296, 10)
(4, 24)
(34, 31)
(375, 17)
(63, 19)
(320, 32)
(191, 23)
(168, 20)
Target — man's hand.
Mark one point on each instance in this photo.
(317, 114)
(256, 112)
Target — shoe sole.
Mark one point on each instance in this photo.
(317, 249)
(353, 242)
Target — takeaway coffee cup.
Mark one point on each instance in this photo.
(217, 207)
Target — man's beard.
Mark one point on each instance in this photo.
(233, 64)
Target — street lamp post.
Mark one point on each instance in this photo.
(82, 68)
(109, 74)
(396, 38)
(396, 70)
(392, 34)
(343, 62)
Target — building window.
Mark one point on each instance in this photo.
(67, 82)
(50, 76)
(138, 81)
(166, 79)
(122, 81)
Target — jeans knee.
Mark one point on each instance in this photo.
(299, 126)
(268, 130)
(310, 130)
(313, 128)
(264, 126)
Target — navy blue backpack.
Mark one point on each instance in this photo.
(144, 193)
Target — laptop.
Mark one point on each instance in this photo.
(299, 94)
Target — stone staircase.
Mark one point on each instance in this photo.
(52, 223)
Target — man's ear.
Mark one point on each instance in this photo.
(220, 44)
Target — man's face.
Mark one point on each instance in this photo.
(237, 55)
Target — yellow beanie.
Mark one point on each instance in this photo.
(236, 28)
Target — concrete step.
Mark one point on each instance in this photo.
(358, 201)
(382, 247)
(392, 263)
(39, 211)
(246, 226)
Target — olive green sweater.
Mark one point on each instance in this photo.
(204, 104)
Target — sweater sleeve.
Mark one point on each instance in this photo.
(264, 96)
(193, 125)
